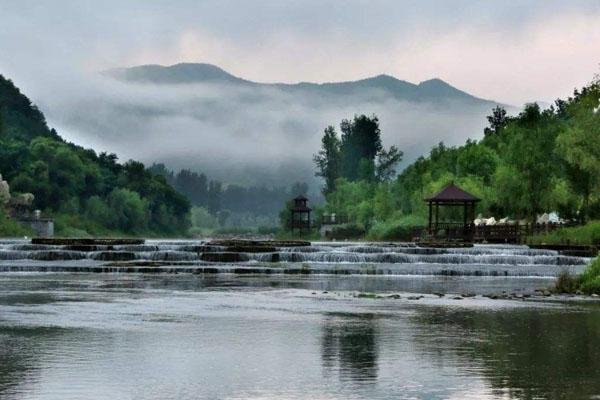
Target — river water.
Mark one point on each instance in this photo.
(82, 335)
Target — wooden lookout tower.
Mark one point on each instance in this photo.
(300, 215)
(452, 196)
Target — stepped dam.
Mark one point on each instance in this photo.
(272, 257)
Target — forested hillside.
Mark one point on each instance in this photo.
(535, 162)
(229, 208)
(87, 193)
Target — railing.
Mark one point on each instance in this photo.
(509, 233)
(497, 233)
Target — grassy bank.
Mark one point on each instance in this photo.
(400, 228)
(11, 228)
(588, 282)
(588, 234)
(75, 225)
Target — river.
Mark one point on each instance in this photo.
(86, 335)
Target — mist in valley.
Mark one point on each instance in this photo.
(244, 134)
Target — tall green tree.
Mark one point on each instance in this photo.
(327, 160)
(497, 121)
(386, 163)
(579, 144)
(361, 140)
(215, 192)
(530, 153)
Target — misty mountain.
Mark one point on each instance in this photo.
(175, 74)
(432, 90)
(200, 117)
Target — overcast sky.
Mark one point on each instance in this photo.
(510, 51)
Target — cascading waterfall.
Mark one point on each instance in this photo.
(404, 258)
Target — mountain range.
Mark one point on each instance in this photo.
(432, 90)
(200, 117)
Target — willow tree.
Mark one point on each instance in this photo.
(579, 144)
(529, 154)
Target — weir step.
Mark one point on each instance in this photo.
(569, 249)
(86, 241)
(258, 243)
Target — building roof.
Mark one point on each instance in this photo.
(453, 193)
(300, 197)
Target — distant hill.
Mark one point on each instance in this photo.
(176, 74)
(432, 90)
(201, 117)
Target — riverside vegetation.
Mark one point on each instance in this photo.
(588, 282)
(87, 193)
(525, 165)
(537, 161)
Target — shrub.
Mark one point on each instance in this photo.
(398, 228)
(96, 209)
(11, 228)
(591, 286)
(589, 281)
(130, 209)
(347, 231)
(566, 283)
(203, 219)
(586, 234)
(268, 230)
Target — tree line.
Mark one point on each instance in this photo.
(218, 198)
(534, 162)
(87, 193)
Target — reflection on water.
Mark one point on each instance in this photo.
(349, 345)
(529, 354)
(16, 363)
(195, 337)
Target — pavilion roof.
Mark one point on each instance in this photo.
(453, 193)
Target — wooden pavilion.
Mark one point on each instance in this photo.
(300, 215)
(452, 196)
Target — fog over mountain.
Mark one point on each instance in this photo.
(198, 116)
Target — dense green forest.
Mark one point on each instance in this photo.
(217, 197)
(87, 193)
(535, 162)
(220, 208)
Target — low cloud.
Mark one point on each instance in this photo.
(241, 134)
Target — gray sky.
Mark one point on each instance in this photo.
(510, 51)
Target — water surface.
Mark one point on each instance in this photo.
(136, 336)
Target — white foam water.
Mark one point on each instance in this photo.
(320, 257)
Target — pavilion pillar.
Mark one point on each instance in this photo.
(437, 214)
(465, 215)
(292, 221)
(430, 218)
